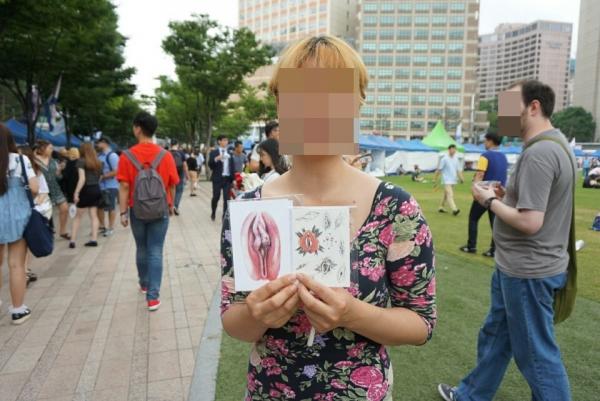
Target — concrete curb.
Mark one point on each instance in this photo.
(204, 381)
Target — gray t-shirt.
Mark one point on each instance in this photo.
(542, 180)
(238, 162)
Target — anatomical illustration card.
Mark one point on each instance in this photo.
(321, 244)
(260, 239)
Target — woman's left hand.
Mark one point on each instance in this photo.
(326, 308)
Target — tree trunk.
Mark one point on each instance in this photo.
(29, 116)
(67, 129)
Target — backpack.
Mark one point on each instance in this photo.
(178, 157)
(107, 161)
(149, 194)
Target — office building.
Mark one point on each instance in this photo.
(422, 59)
(540, 50)
(279, 22)
(586, 91)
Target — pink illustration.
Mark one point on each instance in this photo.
(263, 245)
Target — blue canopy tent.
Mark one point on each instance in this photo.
(470, 148)
(510, 150)
(411, 153)
(19, 131)
(596, 153)
(248, 144)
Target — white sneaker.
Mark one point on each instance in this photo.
(108, 232)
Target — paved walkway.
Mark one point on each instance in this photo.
(91, 337)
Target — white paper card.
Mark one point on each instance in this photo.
(260, 240)
(321, 242)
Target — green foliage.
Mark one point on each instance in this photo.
(575, 122)
(211, 61)
(491, 106)
(40, 40)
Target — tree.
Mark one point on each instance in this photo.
(491, 106)
(212, 61)
(575, 122)
(41, 40)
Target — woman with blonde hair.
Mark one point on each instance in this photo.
(391, 298)
(87, 194)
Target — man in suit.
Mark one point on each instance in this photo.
(221, 164)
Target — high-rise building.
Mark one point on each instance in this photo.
(279, 22)
(586, 92)
(540, 50)
(422, 60)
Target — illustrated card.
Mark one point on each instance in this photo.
(260, 240)
(321, 244)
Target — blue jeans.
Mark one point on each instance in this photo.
(149, 240)
(179, 192)
(520, 325)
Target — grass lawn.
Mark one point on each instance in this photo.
(463, 301)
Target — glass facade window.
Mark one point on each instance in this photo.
(436, 87)
(453, 99)
(384, 86)
(422, 34)
(455, 60)
(420, 47)
(400, 112)
(436, 74)
(422, 7)
(366, 124)
(454, 74)
(386, 20)
(457, 20)
(438, 47)
(419, 74)
(370, 20)
(401, 86)
(403, 35)
(436, 100)
(455, 47)
(369, 47)
(402, 73)
(436, 60)
(403, 47)
(386, 47)
(417, 125)
(405, 7)
(404, 20)
(418, 99)
(453, 114)
(453, 87)
(370, 8)
(384, 112)
(438, 34)
(456, 34)
(367, 111)
(387, 7)
(416, 112)
(370, 99)
(400, 125)
(439, 20)
(421, 20)
(400, 99)
(386, 60)
(457, 7)
(420, 60)
(439, 8)
(438, 114)
(402, 60)
(419, 87)
(386, 34)
(384, 99)
(431, 124)
(385, 73)
(370, 34)
(369, 59)
(372, 72)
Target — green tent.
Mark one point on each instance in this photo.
(439, 139)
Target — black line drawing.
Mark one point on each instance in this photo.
(341, 274)
(338, 220)
(308, 216)
(326, 266)
(326, 221)
(300, 267)
(342, 248)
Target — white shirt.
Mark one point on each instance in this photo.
(14, 166)
(226, 160)
(271, 175)
(449, 166)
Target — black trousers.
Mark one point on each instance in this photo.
(474, 215)
(219, 186)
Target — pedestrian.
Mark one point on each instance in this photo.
(192, 167)
(200, 158)
(15, 211)
(586, 165)
(391, 299)
(52, 172)
(219, 161)
(491, 166)
(531, 231)
(451, 173)
(149, 164)
(271, 131)
(42, 202)
(240, 160)
(87, 195)
(70, 174)
(109, 187)
(182, 171)
(416, 174)
(271, 162)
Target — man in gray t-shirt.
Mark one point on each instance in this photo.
(531, 233)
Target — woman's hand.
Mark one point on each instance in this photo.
(76, 198)
(326, 308)
(274, 304)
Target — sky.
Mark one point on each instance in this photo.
(145, 24)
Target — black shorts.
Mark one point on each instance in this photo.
(90, 196)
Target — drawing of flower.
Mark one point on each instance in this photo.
(308, 241)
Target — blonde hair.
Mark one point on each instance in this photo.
(88, 154)
(323, 51)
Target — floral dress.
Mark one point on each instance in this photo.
(394, 265)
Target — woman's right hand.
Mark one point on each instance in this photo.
(274, 304)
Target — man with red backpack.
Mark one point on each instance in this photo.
(147, 177)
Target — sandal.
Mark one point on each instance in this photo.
(65, 236)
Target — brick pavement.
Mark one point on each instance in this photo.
(91, 337)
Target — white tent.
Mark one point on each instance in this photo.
(412, 153)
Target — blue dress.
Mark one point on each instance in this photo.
(14, 211)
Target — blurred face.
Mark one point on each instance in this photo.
(266, 159)
(489, 144)
(513, 116)
(238, 149)
(223, 142)
(275, 133)
(137, 132)
(452, 151)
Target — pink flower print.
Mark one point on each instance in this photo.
(357, 350)
(251, 382)
(366, 376)
(344, 364)
(355, 265)
(335, 383)
(422, 235)
(431, 287)
(302, 324)
(268, 362)
(409, 208)
(420, 301)
(376, 273)
(380, 208)
(353, 289)
(383, 353)
(274, 393)
(371, 226)
(399, 250)
(369, 248)
(377, 392)
(386, 236)
(274, 371)
(287, 390)
(400, 297)
(404, 277)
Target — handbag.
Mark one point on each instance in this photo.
(564, 299)
(38, 234)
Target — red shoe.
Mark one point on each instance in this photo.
(143, 290)
(153, 304)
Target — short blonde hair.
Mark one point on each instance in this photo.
(323, 51)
